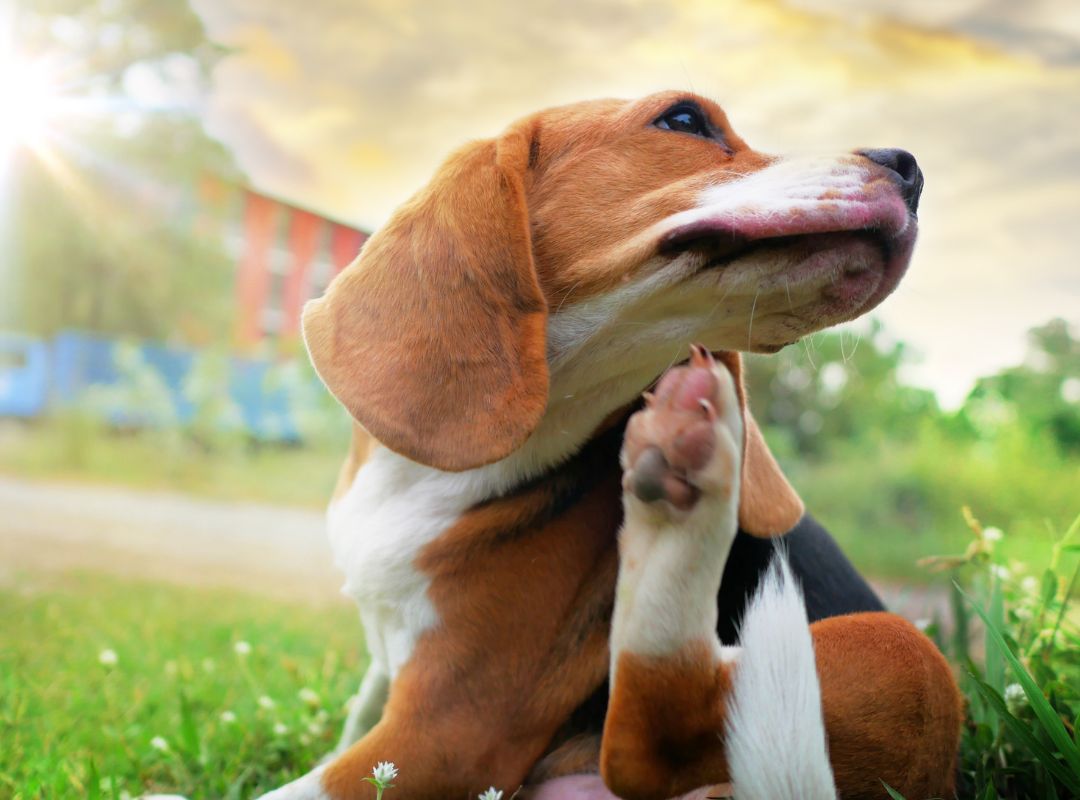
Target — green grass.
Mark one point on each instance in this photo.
(1019, 669)
(72, 726)
(181, 710)
(72, 449)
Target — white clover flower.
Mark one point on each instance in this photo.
(384, 772)
(280, 728)
(315, 728)
(1030, 584)
(309, 696)
(993, 534)
(228, 717)
(267, 702)
(305, 740)
(108, 658)
(242, 648)
(1015, 698)
(923, 623)
(159, 743)
(1000, 572)
(492, 794)
(208, 665)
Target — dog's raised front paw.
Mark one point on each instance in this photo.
(687, 441)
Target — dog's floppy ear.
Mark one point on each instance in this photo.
(434, 338)
(768, 505)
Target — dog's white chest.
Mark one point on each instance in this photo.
(395, 508)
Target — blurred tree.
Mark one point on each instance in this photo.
(837, 388)
(106, 233)
(1042, 394)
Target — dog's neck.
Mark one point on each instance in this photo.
(392, 509)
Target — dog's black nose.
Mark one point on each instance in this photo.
(909, 177)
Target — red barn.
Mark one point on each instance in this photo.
(285, 255)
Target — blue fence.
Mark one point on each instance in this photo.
(39, 376)
(24, 376)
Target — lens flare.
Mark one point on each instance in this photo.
(28, 103)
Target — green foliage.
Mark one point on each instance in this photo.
(887, 470)
(837, 388)
(105, 230)
(110, 687)
(1046, 388)
(1020, 740)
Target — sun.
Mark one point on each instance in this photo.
(29, 102)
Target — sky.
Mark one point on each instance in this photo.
(348, 106)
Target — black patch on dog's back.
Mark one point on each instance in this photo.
(831, 586)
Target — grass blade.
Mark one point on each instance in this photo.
(961, 629)
(1024, 734)
(1049, 719)
(93, 782)
(995, 659)
(895, 795)
(189, 731)
(1074, 530)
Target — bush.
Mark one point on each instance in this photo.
(1015, 641)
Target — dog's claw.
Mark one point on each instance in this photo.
(701, 357)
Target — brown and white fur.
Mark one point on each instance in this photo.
(491, 341)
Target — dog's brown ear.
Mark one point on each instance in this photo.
(768, 505)
(434, 338)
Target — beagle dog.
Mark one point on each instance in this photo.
(541, 619)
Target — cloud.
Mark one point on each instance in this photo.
(349, 106)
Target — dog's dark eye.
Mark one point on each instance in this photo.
(685, 119)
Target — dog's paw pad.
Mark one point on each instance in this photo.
(671, 445)
(652, 478)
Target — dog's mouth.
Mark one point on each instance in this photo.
(721, 247)
(856, 266)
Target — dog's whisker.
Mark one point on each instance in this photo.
(809, 356)
(855, 349)
(750, 327)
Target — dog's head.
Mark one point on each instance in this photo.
(568, 261)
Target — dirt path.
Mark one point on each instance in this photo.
(162, 536)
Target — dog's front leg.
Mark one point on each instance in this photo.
(669, 674)
(365, 708)
(443, 742)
